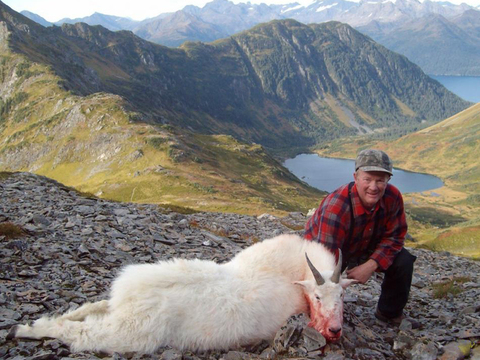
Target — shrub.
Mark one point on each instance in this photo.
(4, 175)
(11, 230)
(6, 105)
(433, 216)
(442, 289)
(156, 142)
(169, 208)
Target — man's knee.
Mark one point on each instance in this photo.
(403, 262)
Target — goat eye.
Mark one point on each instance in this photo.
(317, 297)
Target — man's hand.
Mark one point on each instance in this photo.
(362, 273)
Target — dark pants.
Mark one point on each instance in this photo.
(396, 285)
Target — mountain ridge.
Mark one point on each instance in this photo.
(379, 19)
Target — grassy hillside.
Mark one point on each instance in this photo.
(449, 150)
(94, 144)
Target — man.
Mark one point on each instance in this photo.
(366, 220)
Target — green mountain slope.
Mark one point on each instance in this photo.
(93, 144)
(283, 84)
(450, 150)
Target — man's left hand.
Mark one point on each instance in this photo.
(363, 272)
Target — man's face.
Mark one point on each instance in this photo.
(371, 186)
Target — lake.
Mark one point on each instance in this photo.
(467, 87)
(328, 174)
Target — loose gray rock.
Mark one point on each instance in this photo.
(75, 247)
(424, 351)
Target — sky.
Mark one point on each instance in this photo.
(54, 10)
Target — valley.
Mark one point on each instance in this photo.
(205, 127)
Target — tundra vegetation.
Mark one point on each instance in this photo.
(10, 230)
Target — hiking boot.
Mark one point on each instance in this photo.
(396, 321)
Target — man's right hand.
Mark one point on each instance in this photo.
(363, 272)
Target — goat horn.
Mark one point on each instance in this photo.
(316, 274)
(338, 269)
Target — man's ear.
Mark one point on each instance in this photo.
(347, 282)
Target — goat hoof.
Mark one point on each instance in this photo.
(11, 334)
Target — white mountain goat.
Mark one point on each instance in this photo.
(201, 305)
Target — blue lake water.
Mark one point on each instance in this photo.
(467, 87)
(328, 174)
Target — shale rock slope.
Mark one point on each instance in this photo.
(73, 247)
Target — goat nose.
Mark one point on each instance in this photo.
(335, 331)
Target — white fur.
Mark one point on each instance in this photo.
(199, 305)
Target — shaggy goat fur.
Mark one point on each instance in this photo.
(201, 305)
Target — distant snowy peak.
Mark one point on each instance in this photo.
(221, 18)
(359, 12)
(362, 12)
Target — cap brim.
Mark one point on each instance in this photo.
(374, 168)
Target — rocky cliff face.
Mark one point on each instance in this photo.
(72, 247)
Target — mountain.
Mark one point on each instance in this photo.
(379, 19)
(469, 22)
(225, 18)
(172, 30)
(97, 143)
(110, 22)
(454, 42)
(280, 84)
(37, 18)
(229, 18)
(448, 149)
(114, 114)
(113, 23)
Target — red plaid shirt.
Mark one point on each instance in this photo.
(330, 225)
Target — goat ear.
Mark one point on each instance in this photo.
(306, 284)
(347, 282)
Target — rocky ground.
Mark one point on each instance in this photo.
(73, 247)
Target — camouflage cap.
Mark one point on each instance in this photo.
(373, 160)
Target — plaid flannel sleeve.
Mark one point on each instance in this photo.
(394, 235)
(327, 225)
